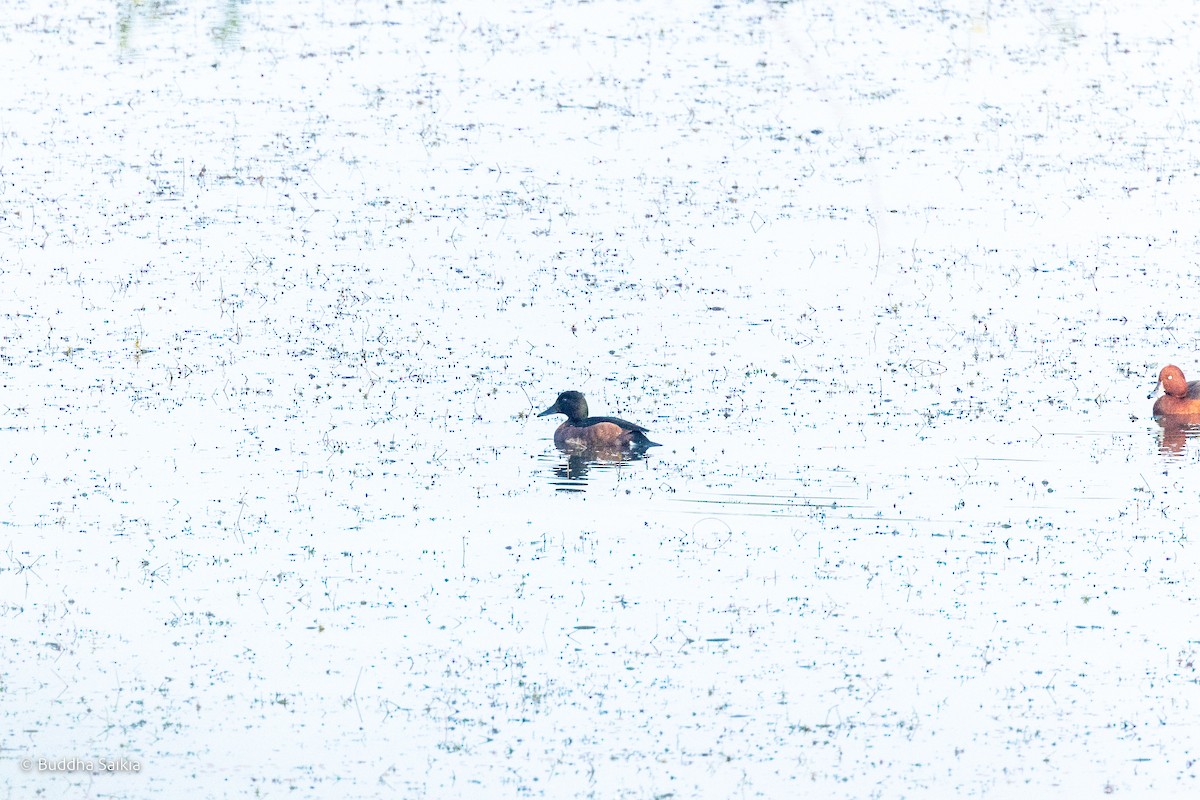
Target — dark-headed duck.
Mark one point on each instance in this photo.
(593, 433)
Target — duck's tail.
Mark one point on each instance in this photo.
(640, 441)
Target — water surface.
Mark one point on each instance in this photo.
(283, 287)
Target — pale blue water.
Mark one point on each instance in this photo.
(283, 287)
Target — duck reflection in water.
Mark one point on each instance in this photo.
(1178, 410)
(574, 466)
(1176, 431)
(593, 441)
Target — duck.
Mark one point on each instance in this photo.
(581, 432)
(1181, 398)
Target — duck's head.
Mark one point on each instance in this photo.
(570, 403)
(1172, 381)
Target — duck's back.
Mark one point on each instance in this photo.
(629, 426)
